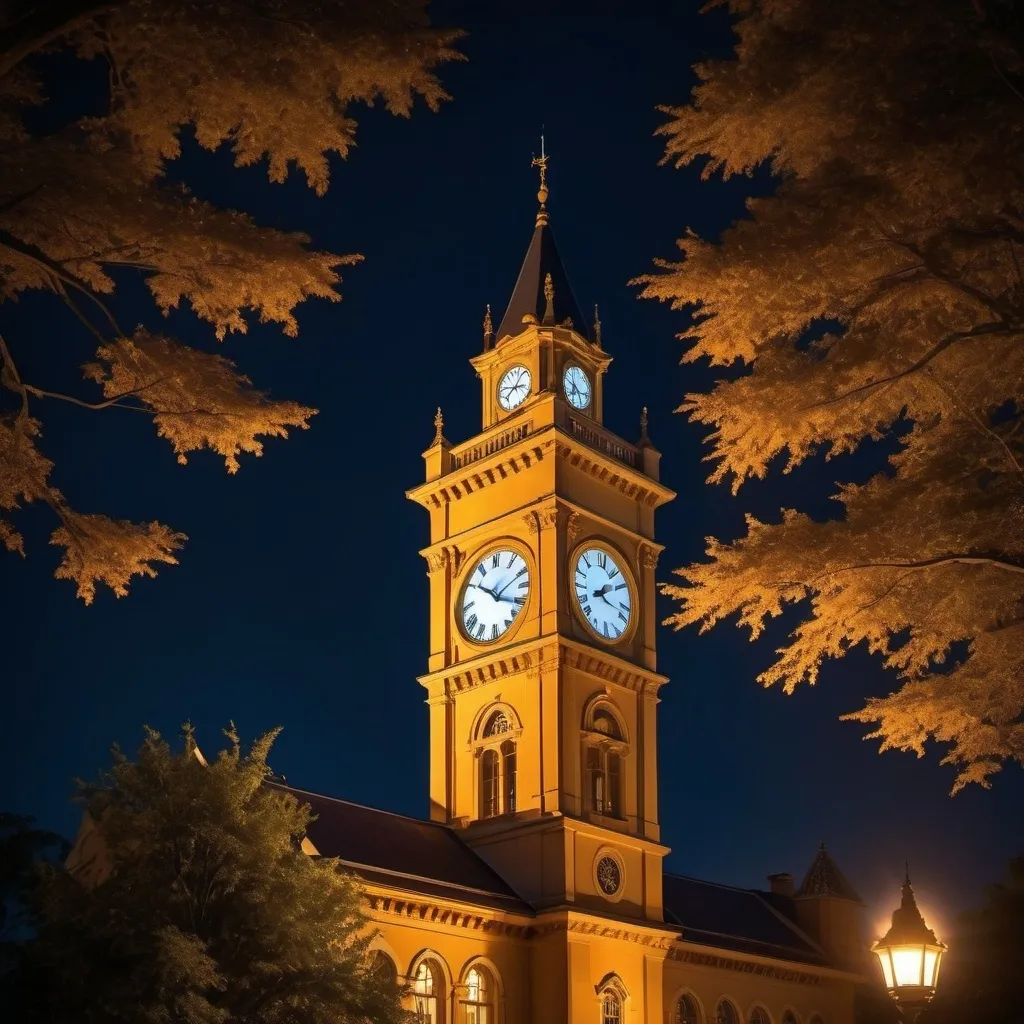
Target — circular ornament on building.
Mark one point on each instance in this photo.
(514, 387)
(493, 596)
(576, 385)
(604, 594)
(608, 872)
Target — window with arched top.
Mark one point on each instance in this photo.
(383, 969)
(479, 996)
(759, 1015)
(611, 1007)
(427, 991)
(727, 1013)
(604, 750)
(687, 1010)
(496, 748)
(789, 1017)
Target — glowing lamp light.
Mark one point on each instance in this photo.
(909, 955)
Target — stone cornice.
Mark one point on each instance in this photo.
(525, 451)
(764, 966)
(387, 906)
(534, 656)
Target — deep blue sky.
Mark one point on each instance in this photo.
(274, 615)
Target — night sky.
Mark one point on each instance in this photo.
(301, 600)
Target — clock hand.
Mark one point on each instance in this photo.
(490, 593)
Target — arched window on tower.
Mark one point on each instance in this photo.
(727, 1013)
(497, 754)
(604, 750)
(426, 993)
(479, 1001)
(687, 1010)
(611, 1007)
(759, 1015)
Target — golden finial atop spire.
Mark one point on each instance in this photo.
(488, 328)
(438, 427)
(542, 193)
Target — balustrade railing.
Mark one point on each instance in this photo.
(462, 457)
(594, 437)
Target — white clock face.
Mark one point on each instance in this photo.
(603, 593)
(494, 594)
(513, 387)
(577, 386)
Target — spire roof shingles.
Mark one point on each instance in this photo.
(824, 878)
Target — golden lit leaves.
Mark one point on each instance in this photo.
(198, 400)
(879, 289)
(99, 549)
(88, 206)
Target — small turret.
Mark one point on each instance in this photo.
(830, 911)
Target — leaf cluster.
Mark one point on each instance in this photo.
(196, 904)
(878, 289)
(273, 80)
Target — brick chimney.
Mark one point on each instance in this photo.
(781, 883)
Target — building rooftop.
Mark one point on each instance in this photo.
(429, 859)
(824, 878)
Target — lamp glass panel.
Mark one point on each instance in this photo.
(931, 964)
(907, 962)
(883, 959)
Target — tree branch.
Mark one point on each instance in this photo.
(928, 563)
(43, 24)
(995, 327)
(113, 401)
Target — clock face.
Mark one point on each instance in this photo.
(603, 593)
(577, 386)
(609, 875)
(494, 594)
(513, 387)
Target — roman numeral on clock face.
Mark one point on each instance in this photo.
(602, 559)
(495, 560)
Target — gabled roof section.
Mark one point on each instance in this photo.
(824, 878)
(417, 856)
(530, 296)
(742, 920)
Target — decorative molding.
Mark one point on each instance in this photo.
(548, 517)
(631, 677)
(436, 561)
(572, 526)
(650, 555)
(532, 521)
(457, 559)
(725, 963)
(432, 913)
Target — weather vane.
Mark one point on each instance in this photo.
(542, 162)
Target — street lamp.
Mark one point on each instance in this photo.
(909, 954)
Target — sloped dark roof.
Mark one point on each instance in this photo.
(528, 296)
(737, 919)
(418, 856)
(824, 878)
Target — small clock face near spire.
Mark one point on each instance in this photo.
(576, 384)
(603, 593)
(494, 594)
(514, 387)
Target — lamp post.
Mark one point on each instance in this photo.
(909, 954)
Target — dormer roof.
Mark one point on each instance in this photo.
(824, 878)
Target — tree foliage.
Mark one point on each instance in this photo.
(877, 293)
(195, 904)
(275, 80)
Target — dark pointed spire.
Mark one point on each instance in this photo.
(542, 293)
(907, 921)
(824, 878)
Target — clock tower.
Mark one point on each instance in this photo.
(542, 679)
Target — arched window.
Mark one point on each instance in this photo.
(426, 992)
(489, 780)
(727, 1013)
(604, 750)
(611, 1008)
(479, 1001)
(497, 766)
(383, 969)
(687, 1010)
(789, 1017)
(759, 1015)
